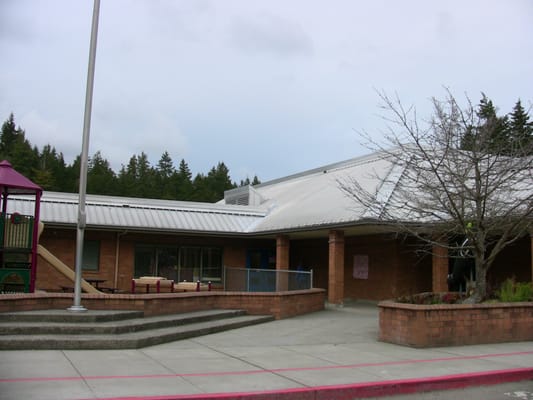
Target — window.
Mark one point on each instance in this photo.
(211, 264)
(91, 255)
(179, 263)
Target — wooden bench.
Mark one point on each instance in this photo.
(192, 287)
(152, 281)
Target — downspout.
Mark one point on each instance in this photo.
(117, 253)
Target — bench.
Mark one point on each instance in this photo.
(152, 281)
(192, 286)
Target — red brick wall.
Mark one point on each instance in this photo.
(454, 325)
(280, 304)
(62, 244)
(394, 268)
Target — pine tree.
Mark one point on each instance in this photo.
(165, 177)
(100, 177)
(17, 150)
(183, 182)
(8, 136)
(521, 129)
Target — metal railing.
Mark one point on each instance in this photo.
(266, 280)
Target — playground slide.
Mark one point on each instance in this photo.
(64, 269)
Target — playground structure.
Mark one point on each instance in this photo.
(19, 237)
(18, 233)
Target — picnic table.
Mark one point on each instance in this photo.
(152, 281)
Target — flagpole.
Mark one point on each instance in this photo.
(82, 219)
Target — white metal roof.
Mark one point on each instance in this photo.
(315, 199)
(140, 214)
(309, 200)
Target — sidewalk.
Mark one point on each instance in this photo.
(329, 354)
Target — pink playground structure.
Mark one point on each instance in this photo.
(18, 233)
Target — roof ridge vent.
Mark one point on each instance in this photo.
(243, 196)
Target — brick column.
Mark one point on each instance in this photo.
(440, 269)
(336, 268)
(282, 262)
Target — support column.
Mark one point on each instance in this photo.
(440, 269)
(282, 262)
(336, 268)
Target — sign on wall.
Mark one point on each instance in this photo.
(360, 266)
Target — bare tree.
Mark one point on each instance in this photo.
(437, 190)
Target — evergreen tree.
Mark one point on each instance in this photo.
(183, 182)
(165, 176)
(146, 177)
(17, 150)
(247, 181)
(8, 136)
(127, 178)
(216, 182)
(256, 181)
(72, 176)
(521, 129)
(100, 177)
(49, 169)
(165, 166)
(491, 133)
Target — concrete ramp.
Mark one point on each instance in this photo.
(64, 269)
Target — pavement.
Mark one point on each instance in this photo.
(330, 354)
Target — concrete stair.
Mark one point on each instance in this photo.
(66, 330)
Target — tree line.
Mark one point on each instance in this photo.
(138, 178)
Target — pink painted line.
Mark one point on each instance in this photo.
(361, 390)
(263, 371)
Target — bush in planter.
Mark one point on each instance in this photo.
(512, 291)
(433, 298)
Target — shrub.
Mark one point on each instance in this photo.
(512, 291)
(432, 298)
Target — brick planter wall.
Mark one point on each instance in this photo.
(454, 324)
(279, 304)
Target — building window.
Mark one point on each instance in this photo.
(91, 255)
(211, 264)
(200, 264)
(180, 264)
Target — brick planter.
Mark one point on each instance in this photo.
(454, 324)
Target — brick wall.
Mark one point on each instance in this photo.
(280, 305)
(454, 325)
(394, 269)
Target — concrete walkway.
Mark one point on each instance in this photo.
(329, 354)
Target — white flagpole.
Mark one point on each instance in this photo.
(84, 161)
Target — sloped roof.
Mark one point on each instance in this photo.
(109, 212)
(314, 198)
(309, 200)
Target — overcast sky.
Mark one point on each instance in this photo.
(269, 87)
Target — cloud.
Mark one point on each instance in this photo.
(272, 35)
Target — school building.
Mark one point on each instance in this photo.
(303, 221)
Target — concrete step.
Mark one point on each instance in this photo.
(65, 316)
(29, 324)
(131, 340)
